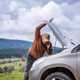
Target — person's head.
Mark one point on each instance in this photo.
(45, 38)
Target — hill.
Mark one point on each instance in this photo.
(7, 43)
(13, 48)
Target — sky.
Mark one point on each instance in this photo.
(18, 18)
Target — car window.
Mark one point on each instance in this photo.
(76, 49)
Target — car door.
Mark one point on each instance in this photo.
(78, 59)
(77, 64)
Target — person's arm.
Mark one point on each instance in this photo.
(29, 50)
(37, 32)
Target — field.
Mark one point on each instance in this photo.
(12, 76)
(16, 74)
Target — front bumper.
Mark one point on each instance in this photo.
(34, 75)
(36, 69)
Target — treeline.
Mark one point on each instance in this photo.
(13, 52)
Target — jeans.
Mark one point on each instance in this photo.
(30, 61)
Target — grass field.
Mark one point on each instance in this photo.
(11, 76)
(17, 74)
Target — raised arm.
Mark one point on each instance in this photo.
(37, 32)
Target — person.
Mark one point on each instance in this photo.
(41, 44)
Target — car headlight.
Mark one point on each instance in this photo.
(36, 63)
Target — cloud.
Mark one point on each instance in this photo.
(77, 19)
(70, 10)
(25, 19)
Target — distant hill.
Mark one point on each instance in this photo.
(7, 43)
(13, 48)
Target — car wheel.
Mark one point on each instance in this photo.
(58, 76)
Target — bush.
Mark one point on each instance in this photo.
(1, 70)
(7, 69)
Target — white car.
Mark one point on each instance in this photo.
(63, 66)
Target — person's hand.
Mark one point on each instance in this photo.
(43, 23)
(48, 46)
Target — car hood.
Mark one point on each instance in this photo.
(61, 54)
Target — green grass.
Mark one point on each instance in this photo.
(11, 76)
(17, 74)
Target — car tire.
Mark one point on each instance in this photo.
(58, 76)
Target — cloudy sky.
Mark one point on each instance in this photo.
(18, 18)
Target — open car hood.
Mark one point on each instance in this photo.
(63, 39)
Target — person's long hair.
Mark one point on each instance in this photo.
(38, 46)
